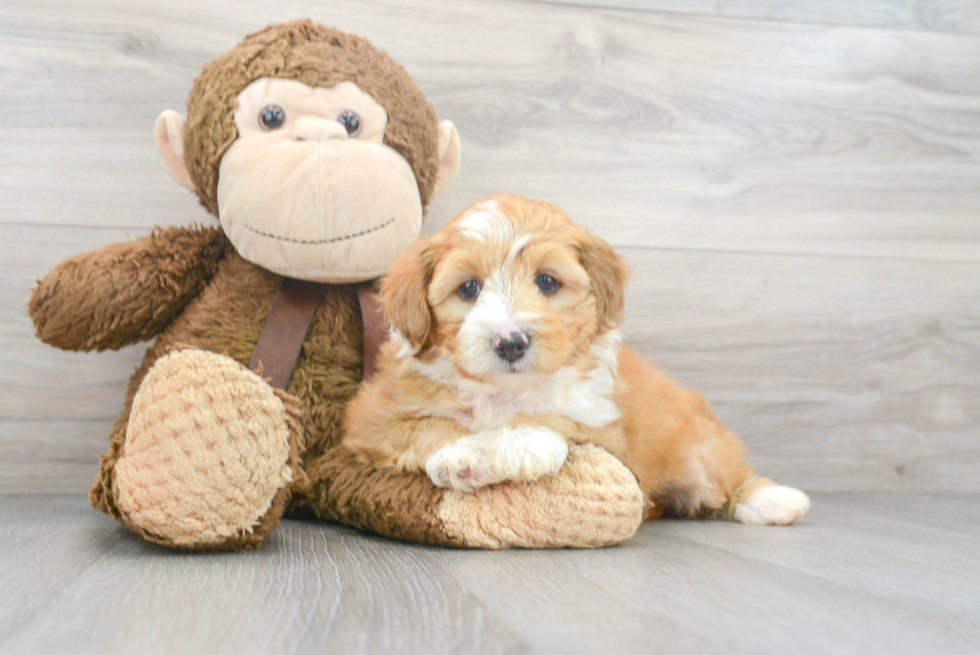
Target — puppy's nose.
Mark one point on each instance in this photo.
(511, 348)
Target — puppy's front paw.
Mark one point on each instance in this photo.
(527, 453)
(464, 466)
(521, 453)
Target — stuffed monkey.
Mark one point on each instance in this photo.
(318, 154)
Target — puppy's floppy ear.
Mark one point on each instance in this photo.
(609, 273)
(404, 289)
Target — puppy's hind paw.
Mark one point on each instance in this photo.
(777, 505)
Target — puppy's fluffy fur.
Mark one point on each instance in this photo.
(505, 347)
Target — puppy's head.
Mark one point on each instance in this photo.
(509, 290)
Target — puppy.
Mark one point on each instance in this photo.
(505, 347)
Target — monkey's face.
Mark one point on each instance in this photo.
(322, 172)
(309, 189)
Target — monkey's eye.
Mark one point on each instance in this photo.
(350, 121)
(547, 284)
(469, 290)
(272, 117)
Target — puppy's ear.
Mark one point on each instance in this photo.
(609, 273)
(404, 289)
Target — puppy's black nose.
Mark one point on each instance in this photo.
(511, 348)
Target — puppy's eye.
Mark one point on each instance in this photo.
(272, 117)
(350, 121)
(547, 284)
(469, 290)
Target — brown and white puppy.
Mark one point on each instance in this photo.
(505, 348)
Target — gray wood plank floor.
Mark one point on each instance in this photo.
(864, 573)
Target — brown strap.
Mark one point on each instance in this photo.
(375, 328)
(289, 320)
(282, 335)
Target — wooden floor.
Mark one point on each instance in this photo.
(862, 574)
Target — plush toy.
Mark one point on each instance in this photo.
(318, 154)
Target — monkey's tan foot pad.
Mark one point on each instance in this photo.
(206, 461)
(593, 501)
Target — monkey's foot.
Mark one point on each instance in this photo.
(209, 455)
(593, 501)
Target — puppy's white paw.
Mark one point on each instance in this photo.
(773, 506)
(464, 466)
(527, 453)
(521, 453)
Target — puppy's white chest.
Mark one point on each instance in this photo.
(584, 398)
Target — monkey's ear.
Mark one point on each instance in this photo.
(449, 154)
(169, 136)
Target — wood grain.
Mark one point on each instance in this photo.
(656, 129)
(799, 201)
(675, 588)
(863, 574)
(90, 588)
(831, 369)
(840, 373)
(939, 15)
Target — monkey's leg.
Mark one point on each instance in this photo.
(593, 501)
(209, 453)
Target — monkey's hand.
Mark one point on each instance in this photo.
(126, 292)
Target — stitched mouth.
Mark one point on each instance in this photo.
(318, 242)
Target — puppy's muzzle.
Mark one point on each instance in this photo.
(512, 347)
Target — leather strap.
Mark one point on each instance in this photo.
(282, 335)
(375, 328)
(289, 320)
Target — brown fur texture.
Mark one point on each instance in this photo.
(317, 56)
(227, 318)
(126, 292)
(189, 288)
(329, 481)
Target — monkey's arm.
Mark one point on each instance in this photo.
(126, 292)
